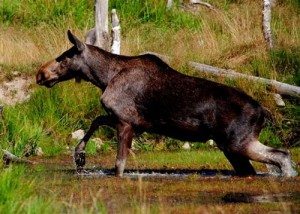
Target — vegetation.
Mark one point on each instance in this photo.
(33, 32)
(52, 187)
(230, 37)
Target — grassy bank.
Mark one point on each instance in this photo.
(33, 32)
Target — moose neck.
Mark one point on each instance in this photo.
(102, 66)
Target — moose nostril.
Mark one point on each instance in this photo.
(39, 78)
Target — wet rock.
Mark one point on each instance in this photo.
(186, 146)
(78, 134)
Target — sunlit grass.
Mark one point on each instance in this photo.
(230, 37)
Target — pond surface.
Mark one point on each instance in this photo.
(168, 189)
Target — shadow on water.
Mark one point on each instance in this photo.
(238, 197)
(186, 180)
(204, 197)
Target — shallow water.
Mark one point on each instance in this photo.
(206, 198)
(163, 173)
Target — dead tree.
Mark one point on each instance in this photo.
(99, 36)
(101, 14)
(266, 23)
(116, 33)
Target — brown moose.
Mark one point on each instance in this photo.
(143, 94)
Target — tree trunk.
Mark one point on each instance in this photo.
(116, 33)
(266, 23)
(101, 18)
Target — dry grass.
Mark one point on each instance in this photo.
(230, 37)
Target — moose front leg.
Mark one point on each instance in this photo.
(79, 154)
(125, 135)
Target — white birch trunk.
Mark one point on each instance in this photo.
(266, 25)
(116, 33)
(101, 17)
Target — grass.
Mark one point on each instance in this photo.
(230, 37)
(33, 32)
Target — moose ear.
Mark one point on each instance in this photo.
(76, 42)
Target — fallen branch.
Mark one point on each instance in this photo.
(202, 3)
(9, 158)
(279, 87)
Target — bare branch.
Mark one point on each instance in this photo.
(202, 3)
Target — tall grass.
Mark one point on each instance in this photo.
(37, 12)
(16, 194)
(33, 32)
(48, 118)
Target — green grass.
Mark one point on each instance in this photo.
(17, 194)
(229, 38)
(48, 118)
(39, 12)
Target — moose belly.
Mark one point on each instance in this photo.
(186, 130)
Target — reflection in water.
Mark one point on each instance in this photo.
(203, 197)
(261, 198)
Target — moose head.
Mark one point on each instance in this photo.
(67, 66)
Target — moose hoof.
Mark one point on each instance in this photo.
(79, 158)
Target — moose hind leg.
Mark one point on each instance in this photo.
(241, 164)
(125, 135)
(258, 152)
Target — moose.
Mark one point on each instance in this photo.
(144, 94)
